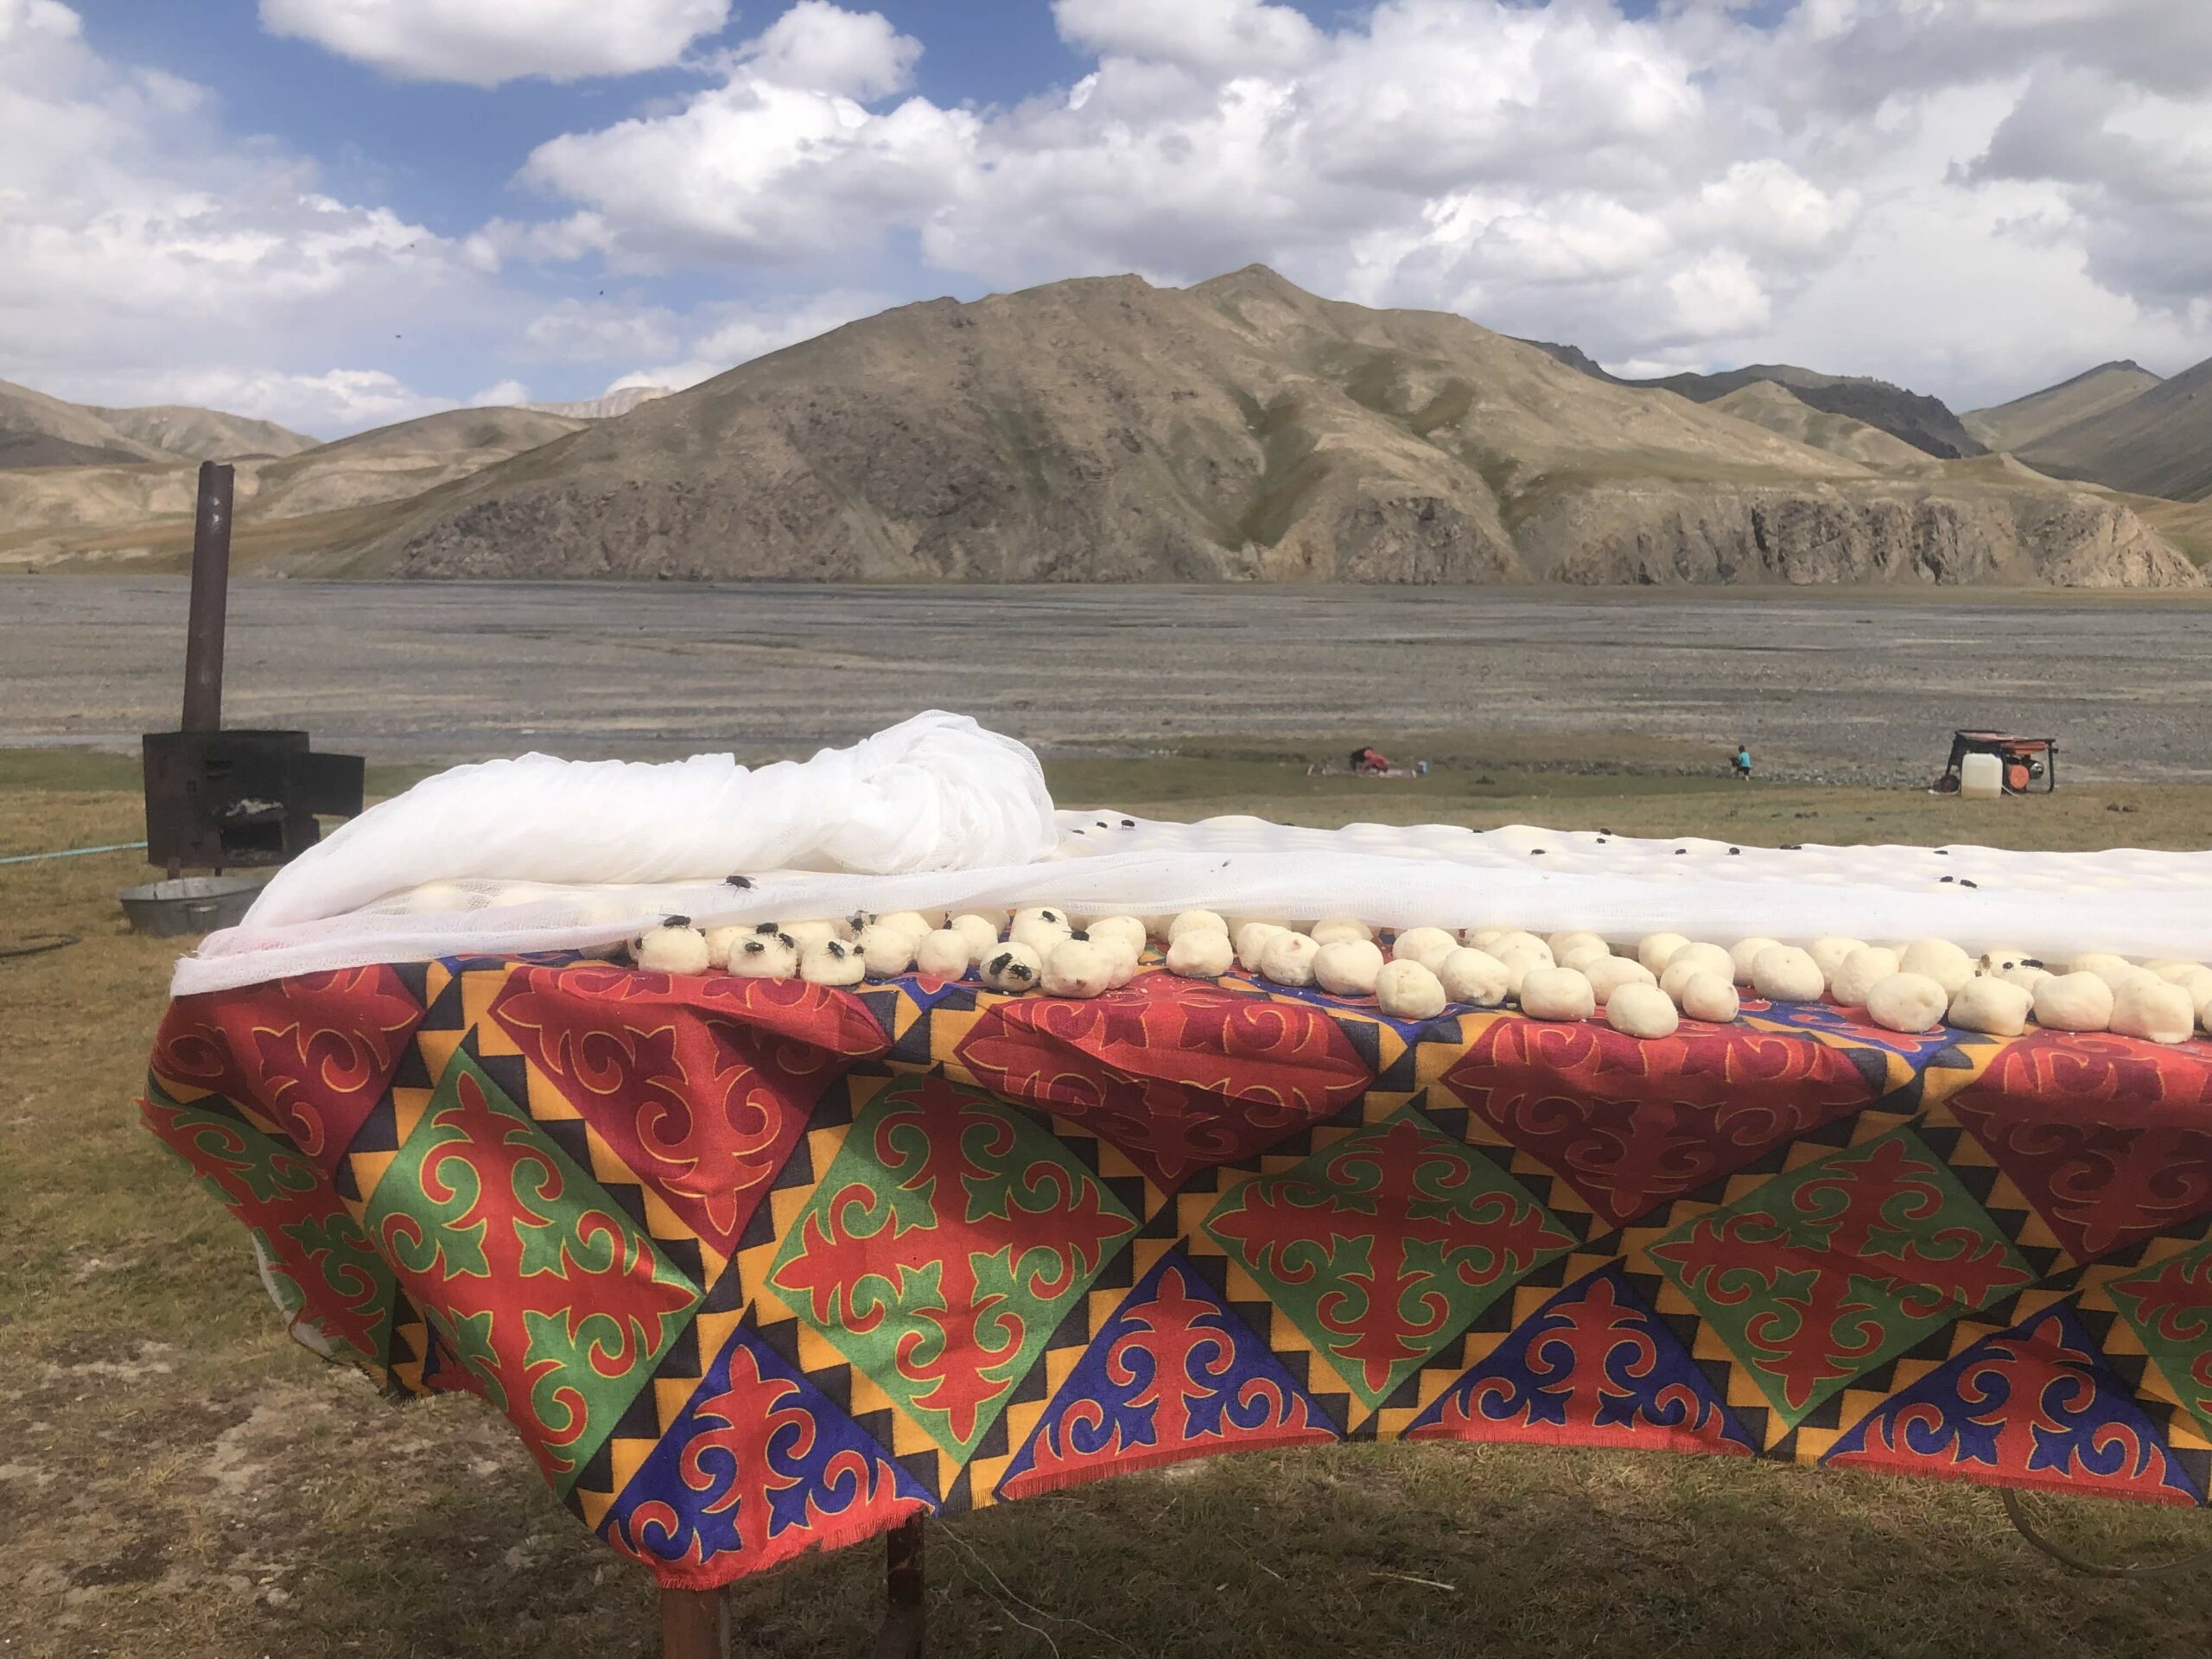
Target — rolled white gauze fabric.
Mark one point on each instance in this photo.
(936, 792)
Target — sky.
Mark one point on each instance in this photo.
(337, 214)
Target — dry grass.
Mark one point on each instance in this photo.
(176, 1479)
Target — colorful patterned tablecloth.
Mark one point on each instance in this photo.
(753, 1267)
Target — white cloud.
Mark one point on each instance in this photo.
(724, 336)
(826, 48)
(146, 256)
(1209, 35)
(594, 331)
(500, 394)
(483, 42)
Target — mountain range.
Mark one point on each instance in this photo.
(1240, 429)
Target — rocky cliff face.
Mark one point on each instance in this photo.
(1106, 430)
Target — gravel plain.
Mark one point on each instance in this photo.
(1832, 687)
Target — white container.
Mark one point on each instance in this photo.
(1981, 777)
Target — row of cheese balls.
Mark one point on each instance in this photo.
(1912, 987)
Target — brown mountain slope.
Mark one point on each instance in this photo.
(1774, 406)
(53, 512)
(1104, 429)
(2157, 442)
(36, 430)
(2020, 423)
(205, 434)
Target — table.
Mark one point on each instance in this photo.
(756, 1267)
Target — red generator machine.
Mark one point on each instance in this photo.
(2028, 762)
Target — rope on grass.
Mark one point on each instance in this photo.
(72, 852)
(2016, 1512)
(37, 944)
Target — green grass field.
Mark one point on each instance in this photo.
(178, 1479)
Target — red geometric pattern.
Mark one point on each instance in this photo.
(2109, 1138)
(1630, 1124)
(315, 1053)
(755, 1267)
(1180, 1076)
(702, 1095)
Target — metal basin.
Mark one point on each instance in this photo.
(190, 904)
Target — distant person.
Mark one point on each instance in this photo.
(1743, 763)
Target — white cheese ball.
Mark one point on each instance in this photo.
(1079, 967)
(1251, 939)
(1200, 954)
(1642, 1009)
(2150, 1008)
(720, 941)
(2097, 962)
(908, 921)
(1347, 967)
(1474, 977)
(2204, 1010)
(1696, 958)
(1908, 1002)
(1745, 952)
(1520, 962)
(1481, 939)
(764, 956)
(1425, 945)
(1583, 957)
(2025, 978)
(1196, 921)
(1522, 941)
(2080, 1002)
(1712, 998)
(1785, 974)
(1013, 966)
(1128, 931)
(1575, 939)
(1557, 993)
(1406, 989)
(436, 897)
(2121, 978)
(1861, 971)
(1040, 928)
(1991, 1005)
(944, 954)
(1655, 950)
(1607, 975)
(981, 931)
(832, 962)
(887, 949)
(1829, 953)
(666, 949)
(2197, 981)
(1288, 959)
(802, 934)
(1340, 927)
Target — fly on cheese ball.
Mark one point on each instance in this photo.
(764, 956)
(674, 947)
(1040, 928)
(1012, 966)
(832, 962)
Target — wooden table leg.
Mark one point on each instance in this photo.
(899, 1636)
(692, 1625)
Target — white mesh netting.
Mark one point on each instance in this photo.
(937, 815)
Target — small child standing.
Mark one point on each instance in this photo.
(1743, 765)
